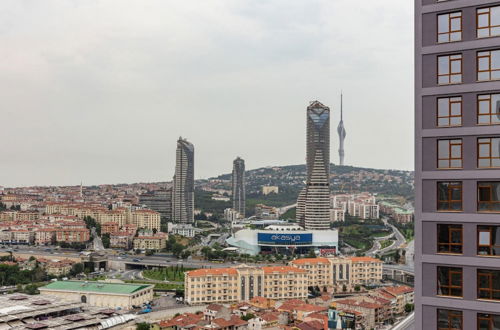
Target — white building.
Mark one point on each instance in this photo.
(282, 239)
(362, 205)
(231, 214)
(186, 230)
(337, 214)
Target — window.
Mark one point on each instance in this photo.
(488, 284)
(449, 319)
(488, 65)
(488, 109)
(488, 240)
(488, 196)
(449, 196)
(449, 111)
(488, 322)
(449, 281)
(450, 153)
(488, 152)
(488, 22)
(450, 27)
(450, 238)
(450, 69)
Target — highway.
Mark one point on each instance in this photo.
(400, 240)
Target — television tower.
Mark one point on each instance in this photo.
(342, 134)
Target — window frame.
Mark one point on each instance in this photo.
(486, 317)
(489, 27)
(450, 159)
(450, 30)
(450, 244)
(483, 185)
(489, 70)
(490, 151)
(491, 246)
(449, 286)
(452, 314)
(450, 100)
(451, 185)
(486, 98)
(450, 73)
(487, 273)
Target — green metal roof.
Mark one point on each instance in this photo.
(117, 288)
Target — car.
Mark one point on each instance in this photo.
(136, 260)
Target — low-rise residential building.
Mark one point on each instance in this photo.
(337, 214)
(22, 236)
(396, 212)
(121, 240)
(266, 212)
(242, 283)
(58, 267)
(266, 190)
(147, 219)
(45, 236)
(146, 240)
(80, 235)
(337, 273)
(110, 227)
(362, 205)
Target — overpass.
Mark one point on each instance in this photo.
(399, 273)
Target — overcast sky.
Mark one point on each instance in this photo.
(99, 91)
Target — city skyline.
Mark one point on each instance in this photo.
(97, 93)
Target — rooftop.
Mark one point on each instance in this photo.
(117, 288)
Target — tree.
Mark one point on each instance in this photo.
(248, 316)
(150, 252)
(409, 308)
(177, 249)
(76, 269)
(106, 240)
(344, 288)
(397, 256)
(31, 289)
(311, 254)
(185, 254)
(357, 288)
(142, 326)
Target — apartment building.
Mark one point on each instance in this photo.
(334, 273)
(121, 240)
(362, 205)
(457, 161)
(242, 283)
(396, 212)
(81, 235)
(150, 241)
(146, 219)
(110, 227)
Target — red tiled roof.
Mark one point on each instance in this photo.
(213, 271)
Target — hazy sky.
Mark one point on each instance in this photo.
(99, 91)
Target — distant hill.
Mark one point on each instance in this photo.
(290, 180)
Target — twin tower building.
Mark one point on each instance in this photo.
(313, 204)
(183, 189)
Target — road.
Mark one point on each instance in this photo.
(282, 210)
(97, 242)
(400, 240)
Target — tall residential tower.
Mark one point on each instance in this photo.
(457, 167)
(238, 183)
(313, 209)
(342, 133)
(183, 190)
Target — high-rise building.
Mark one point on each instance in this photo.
(457, 164)
(159, 201)
(183, 191)
(314, 201)
(342, 133)
(239, 186)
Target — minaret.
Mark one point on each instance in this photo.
(342, 134)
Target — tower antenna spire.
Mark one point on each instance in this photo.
(341, 131)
